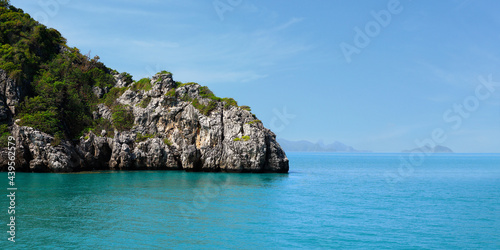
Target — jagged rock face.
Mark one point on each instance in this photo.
(100, 92)
(181, 137)
(120, 80)
(4, 111)
(35, 152)
(10, 96)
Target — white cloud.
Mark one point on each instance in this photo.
(289, 23)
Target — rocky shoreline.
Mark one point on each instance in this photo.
(170, 132)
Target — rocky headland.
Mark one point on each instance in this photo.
(168, 132)
(66, 112)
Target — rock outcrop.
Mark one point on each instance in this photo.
(11, 93)
(175, 127)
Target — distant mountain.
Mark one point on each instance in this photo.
(307, 146)
(427, 149)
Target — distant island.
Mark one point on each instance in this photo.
(428, 149)
(63, 111)
(307, 146)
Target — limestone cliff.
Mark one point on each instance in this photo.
(172, 126)
(62, 111)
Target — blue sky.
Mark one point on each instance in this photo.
(376, 75)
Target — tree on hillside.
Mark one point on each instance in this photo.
(4, 3)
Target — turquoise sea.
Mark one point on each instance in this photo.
(339, 201)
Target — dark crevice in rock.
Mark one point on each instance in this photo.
(222, 124)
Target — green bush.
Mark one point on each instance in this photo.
(165, 72)
(99, 125)
(143, 84)
(127, 78)
(122, 117)
(171, 93)
(4, 135)
(46, 121)
(188, 83)
(229, 102)
(36, 104)
(4, 3)
(254, 121)
(204, 109)
(57, 139)
(186, 98)
(101, 77)
(141, 137)
(145, 102)
(207, 93)
(178, 84)
(247, 108)
(204, 92)
(167, 142)
(109, 99)
(244, 138)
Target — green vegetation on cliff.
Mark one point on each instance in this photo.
(122, 117)
(24, 43)
(4, 135)
(205, 93)
(143, 84)
(110, 98)
(145, 102)
(59, 99)
(62, 94)
(141, 137)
